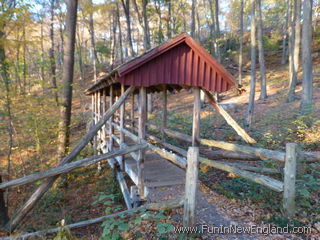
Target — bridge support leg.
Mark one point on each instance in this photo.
(122, 119)
(191, 187)
(142, 136)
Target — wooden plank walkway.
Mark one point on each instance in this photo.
(158, 172)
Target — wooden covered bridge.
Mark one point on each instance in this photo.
(180, 63)
(150, 161)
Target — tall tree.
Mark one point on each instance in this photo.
(241, 43)
(67, 79)
(285, 36)
(120, 31)
(249, 113)
(6, 13)
(263, 81)
(92, 41)
(193, 18)
(307, 77)
(295, 49)
(169, 28)
(126, 8)
(217, 29)
(52, 55)
(157, 5)
(146, 41)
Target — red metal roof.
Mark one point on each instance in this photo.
(180, 61)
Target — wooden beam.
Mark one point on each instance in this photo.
(44, 187)
(191, 187)
(181, 161)
(132, 110)
(196, 117)
(124, 189)
(111, 130)
(164, 111)
(261, 153)
(142, 137)
(168, 204)
(122, 119)
(290, 171)
(269, 182)
(70, 166)
(241, 132)
(243, 166)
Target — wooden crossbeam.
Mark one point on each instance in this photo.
(44, 187)
(69, 167)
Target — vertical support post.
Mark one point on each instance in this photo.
(191, 187)
(111, 129)
(132, 110)
(95, 121)
(196, 117)
(164, 113)
(104, 109)
(122, 119)
(99, 116)
(142, 136)
(289, 190)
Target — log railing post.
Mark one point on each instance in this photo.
(111, 130)
(142, 137)
(196, 117)
(289, 189)
(132, 110)
(45, 186)
(104, 109)
(191, 187)
(164, 112)
(122, 119)
(99, 116)
(95, 120)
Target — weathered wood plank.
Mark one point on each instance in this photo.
(269, 182)
(69, 167)
(122, 119)
(124, 189)
(169, 204)
(37, 195)
(241, 132)
(142, 137)
(191, 187)
(164, 111)
(196, 117)
(289, 189)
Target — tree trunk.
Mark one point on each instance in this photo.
(5, 77)
(169, 29)
(52, 57)
(120, 32)
(126, 8)
(285, 36)
(249, 114)
(42, 56)
(146, 41)
(67, 79)
(114, 37)
(157, 4)
(296, 39)
(80, 58)
(263, 83)
(92, 40)
(241, 44)
(193, 18)
(307, 77)
(217, 29)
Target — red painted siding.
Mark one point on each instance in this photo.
(181, 65)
